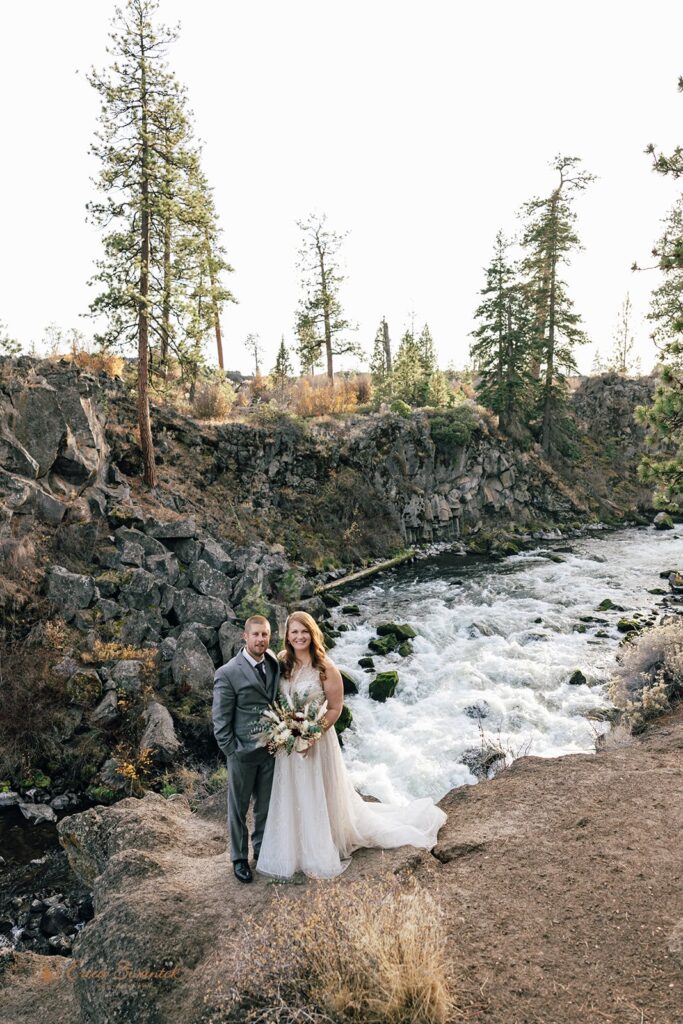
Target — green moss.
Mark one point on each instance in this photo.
(383, 685)
(405, 648)
(366, 662)
(577, 678)
(628, 626)
(401, 632)
(384, 644)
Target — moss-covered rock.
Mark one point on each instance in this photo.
(84, 687)
(383, 685)
(628, 626)
(405, 648)
(577, 678)
(344, 720)
(350, 685)
(350, 609)
(663, 521)
(608, 605)
(401, 632)
(330, 600)
(384, 644)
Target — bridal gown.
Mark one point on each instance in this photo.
(316, 819)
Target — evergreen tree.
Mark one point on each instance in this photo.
(408, 375)
(9, 346)
(282, 372)
(622, 359)
(439, 391)
(427, 360)
(549, 239)
(160, 270)
(665, 416)
(321, 325)
(252, 343)
(502, 350)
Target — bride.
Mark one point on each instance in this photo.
(316, 819)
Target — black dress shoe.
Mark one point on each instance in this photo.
(243, 871)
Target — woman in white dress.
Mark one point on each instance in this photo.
(316, 819)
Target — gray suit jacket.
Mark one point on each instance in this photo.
(239, 698)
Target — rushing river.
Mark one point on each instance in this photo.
(496, 646)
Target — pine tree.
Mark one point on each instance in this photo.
(622, 359)
(408, 375)
(549, 239)
(502, 350)
(137, 93)
(439, 391)
(160, 272)
(252, 343)
(9, 346)
(282, 372)
(665, 416)
(321, 325)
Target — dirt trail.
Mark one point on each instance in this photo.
(560, 879)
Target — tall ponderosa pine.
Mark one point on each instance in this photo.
(156, 210)
(320, 325)
(549, 239)
(502, 350)
(665, 416)
(622, 358)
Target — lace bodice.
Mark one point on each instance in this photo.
(304, 683)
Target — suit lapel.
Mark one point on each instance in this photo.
(273, 667)
(252, 677)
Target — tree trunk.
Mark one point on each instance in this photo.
(387, 345)
(550, 360)
(166, 293)
(326, 316)
(146, 443)
(214, 305)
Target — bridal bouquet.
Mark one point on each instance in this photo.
(291, 724)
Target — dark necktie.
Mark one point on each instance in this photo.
(261, 669)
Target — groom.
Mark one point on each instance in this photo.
(242, 691)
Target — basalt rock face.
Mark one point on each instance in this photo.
(53, 451)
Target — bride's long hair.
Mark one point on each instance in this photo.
(287, 655)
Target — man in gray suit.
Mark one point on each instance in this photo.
(243, 689)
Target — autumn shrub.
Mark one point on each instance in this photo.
(361, 953)
(649, 674)
(213, 400)
(321, 399)
(97, 362)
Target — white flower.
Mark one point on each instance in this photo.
(285, 734)
(301, 744)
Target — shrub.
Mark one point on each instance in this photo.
(97, 362)
(452, 429)
(321, 399)
(649, 675)
(213, 400)
(369, 952)
(401, 407)
(17, 556)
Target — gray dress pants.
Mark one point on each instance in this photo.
(248, 775)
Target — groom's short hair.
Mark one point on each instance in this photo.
(255, 620)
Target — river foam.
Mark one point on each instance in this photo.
(497, 645)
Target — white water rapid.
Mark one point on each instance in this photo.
(500, 638)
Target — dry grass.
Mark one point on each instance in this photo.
(319, 399)
(649, 675)
(17, 556)
(97, 362)
(365, 953)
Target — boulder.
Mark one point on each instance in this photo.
(159, 735)
(177, 529)
(383, 685)
(217, 557)
(350, 685)
(401, 632)
(366, 662)
(384, 645)
(165, 567)
(344, 721)
(36, 813)
(191, 607)
(127, 675)
(230, 639)
(68, 591)
(124, 535)
(210, 582)
(191, 666)
(84, 687)
(106, 712)
(577, 678)
(663, 521)
(141, 591)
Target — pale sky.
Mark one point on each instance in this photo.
(420, 128)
